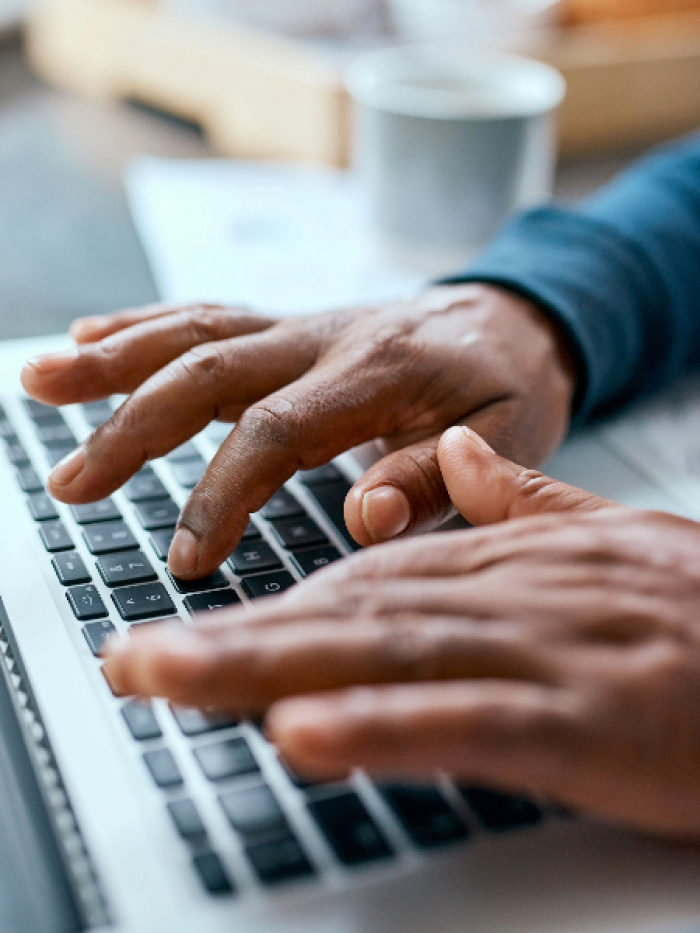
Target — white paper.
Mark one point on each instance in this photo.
(281, 239)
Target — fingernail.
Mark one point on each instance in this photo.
(52, 362)
(475, 438)
(182, 558)
(84, 325)
(385, 512)
(69, 468)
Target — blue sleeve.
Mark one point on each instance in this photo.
(621, 275)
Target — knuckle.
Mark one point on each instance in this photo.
(416, 651)
(275, 420)
(203, 364)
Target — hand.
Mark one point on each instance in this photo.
(301, 392)
(556, 654)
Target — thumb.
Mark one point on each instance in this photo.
(487, 488)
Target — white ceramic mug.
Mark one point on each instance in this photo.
(451, 140)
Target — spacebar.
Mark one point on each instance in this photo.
(331, 498)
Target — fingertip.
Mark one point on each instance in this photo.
(183, 556)
(304, 729)
(87, 329)
(386, 513)
(353, 517)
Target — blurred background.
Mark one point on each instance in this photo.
(86, 85)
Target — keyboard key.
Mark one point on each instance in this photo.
(56, 435)
(253, 557)
(212, 874)
(7, 432)
(186, 818)
(210, 602)
(109, 537)
(43, 414)
(323, 474)
(96, 413)
(254, 811)
(281, 505)
(200, 722)
(188, 474)
(425, 814)
(331, 498)
(17, 455)
(145, 487)
(143, 602)
(224, 760)
(97, 633)
(161, 541)
(350, 830)
(294, 533)
(102, 511)
(215, 581)
(499, 812)
(141, 720)
(184, 453)
(42, 507)
(29, 480)
(251, 532)
(279, 860)
(55, 537)
(268, 584)
(129, 567)
(156, 515)
(55, 454)
(86, 603)
(163, 767)
(70, 569)
(316, 559)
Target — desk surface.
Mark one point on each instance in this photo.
(67, 246)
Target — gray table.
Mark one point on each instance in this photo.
(67, 246)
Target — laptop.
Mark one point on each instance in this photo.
(138, 818)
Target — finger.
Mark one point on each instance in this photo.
(210, 381)
(487, 489)
(121, 362)
(90, 329)
(516, 736)
(247, 667)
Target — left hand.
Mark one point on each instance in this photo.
(557, 654)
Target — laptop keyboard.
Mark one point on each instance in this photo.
(243, 814)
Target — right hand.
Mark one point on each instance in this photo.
(303, 391)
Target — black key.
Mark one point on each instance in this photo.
(188, 474)
(163, 767)
(210, 602)
(55, 537)
(17, 455)
(184, 453)
(97, 633)
(279, 860)
(143, 602)
(109, 537)
(29, 480)
(281, 505)
(351, 831)
(187, 820)
(96, 413)
(212, 874)
(268, 584)
(425, 814)
(161, 541)
(56, 435)
(7, 432)
(316, 559)
(129, 567)
(254, 811)
(224, 760)
(200, 722)
(156, 515)
(42, 507)
(102, 511)
(55, 454)
(43, 414)
(141, 720)
(331, 498)
(86, 603)
(70, 569)
(499, 812)
(323, 474)
(145, 487)
(215, 581)
(294, 533)
(253, 557)
(251, 532)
